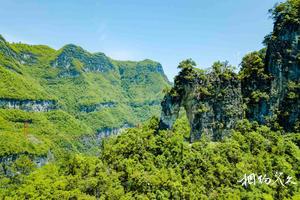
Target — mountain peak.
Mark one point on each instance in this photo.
(72, 48)
(90, 61)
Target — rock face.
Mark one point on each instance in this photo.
(106, 132)
(212, 100)
(5, 50)
(27, 58)
(96, 107)
(29, 105)
(283, 64)
(256, 85)
(94, 141)
(148, 103)
(268, 85)
(7, 163)
(271, 79)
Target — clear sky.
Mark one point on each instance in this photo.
(167, 31)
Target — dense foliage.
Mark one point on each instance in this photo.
(144, 163)
(92, 92)
(284, 14)
(60, 154)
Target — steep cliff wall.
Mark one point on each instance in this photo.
(29, 105)
(96, 107)
(212, 100)
(267, 88)
(271, 78)
(283, 64)
(256, 86)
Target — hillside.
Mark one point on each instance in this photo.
(70, 98)
(214, 134)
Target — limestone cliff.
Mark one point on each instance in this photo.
(256, 86)
(212, 100)
(29, 105)
(283, 64)
(271, 78)
(267, 88)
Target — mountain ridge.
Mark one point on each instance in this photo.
(70, 83)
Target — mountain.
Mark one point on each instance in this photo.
(266, 89)
(70, 98)
(220, 135)
(211, 99)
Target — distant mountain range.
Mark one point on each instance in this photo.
(68, 95)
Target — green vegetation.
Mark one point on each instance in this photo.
(47, 131)
(145, 164)
(286, 12)
(256, 84)
(293, 90)
(16, 86)
(74, 78)
(59, 153)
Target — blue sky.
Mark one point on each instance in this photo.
(167, 31)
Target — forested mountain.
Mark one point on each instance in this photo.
(221, 134)
(68, 99)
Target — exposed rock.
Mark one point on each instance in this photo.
(6, 50)
(69, 73)
(150, 67)
(96, 107)
(12, 59)
(106, 132)
(212, 100)
(271, 80)
(29, 105)
(256, 85)
(91, 141)
(138, 72)
(7, 162)
(145, 103)
(27, 58)
(283, 63)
